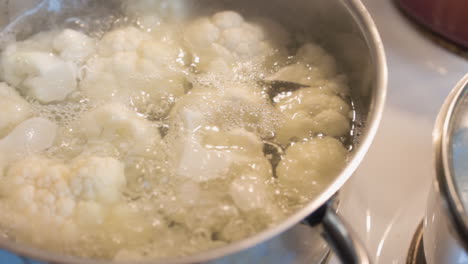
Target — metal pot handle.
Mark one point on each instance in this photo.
(340, 237)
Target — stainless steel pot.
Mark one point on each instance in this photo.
(346, 29)
(445, 233)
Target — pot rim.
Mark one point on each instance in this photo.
(445, 183)
(372, 38)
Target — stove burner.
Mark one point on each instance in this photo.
(434, 36)
(416, 250)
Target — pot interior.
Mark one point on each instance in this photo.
(342, 27)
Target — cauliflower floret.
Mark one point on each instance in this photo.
(39, 186)
(147, 72)
(250, 192)
(309, 111)
(308, 166)
(161, 54)
(82, 200)
(229, 107)
(243, 149)
(253, 193)
(14, 108)
(78, 199)
(49, 78)
(204, 152)
(87, 215)
(196, 163)
(131, 225)
(210, 132)
(100, 79)
(45, 67)
(97, 179)
(122, 40)
(211, 153)
(55, 191)
(119, 125)
(313, 55)
(30, 136)
(161, 18)
(313, 66)
(227, 36)
(74, 46)
(40, 75)
(310, 63)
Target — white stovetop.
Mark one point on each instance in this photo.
(385, 200)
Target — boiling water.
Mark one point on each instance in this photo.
(166, 215)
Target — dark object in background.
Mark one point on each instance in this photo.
(448, 18)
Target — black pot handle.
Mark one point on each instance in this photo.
(338, 234)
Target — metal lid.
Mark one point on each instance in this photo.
(451, 157)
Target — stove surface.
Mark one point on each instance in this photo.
(385, 200)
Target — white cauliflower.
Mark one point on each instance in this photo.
(310, 111)
(310, 166)
(313, 66)
(250, 192)
(226, 36)
(210, 132)
(14, 109)
(81, 198)
(40, 75)
(319, 108)
(51, 190)
(39, 187)
(310, 63)
(72, 45)
(133, 66)
(313, 55)
(194, 162)
(45, 67)
(126, 39)
(97, 179)
(162, 18)
(229, 107)
(122, 127)
(207, 153)
(205, 150)
(30, 136)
